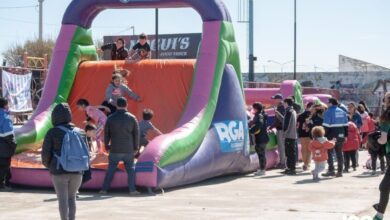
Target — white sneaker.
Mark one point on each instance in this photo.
(260, 173)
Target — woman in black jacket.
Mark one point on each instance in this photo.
(258, 128)
(316, 118)
(65, 183)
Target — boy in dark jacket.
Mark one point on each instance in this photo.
(278, 124)
(259, 130)
(7, 145)
(290, 135)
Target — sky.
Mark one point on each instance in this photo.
(325, 29)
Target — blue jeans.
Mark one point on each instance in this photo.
(113, 161)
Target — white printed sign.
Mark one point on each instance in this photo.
(17, 89)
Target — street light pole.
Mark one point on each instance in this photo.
(281, 64)
(295, 39)
(251, 74)
(157, 44)
(133, 28)
(40, 19)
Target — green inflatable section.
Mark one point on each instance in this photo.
(184, 147)
(81, 49)
(271, 145)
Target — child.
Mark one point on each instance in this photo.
(94, 116)
(117, 89)
(141, 47)
(145, 126)
(258, 128)
(376, 151)
(351, 146)
(90, 131)
(7, 145)
(319, 147)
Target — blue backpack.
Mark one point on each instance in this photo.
(74, 152)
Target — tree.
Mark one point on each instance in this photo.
(35, 48)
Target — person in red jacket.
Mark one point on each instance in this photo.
(351, 146)
(319, 147)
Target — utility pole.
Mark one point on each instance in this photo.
(157, 44)
(252, 58)
(295, 39)
(40, 19)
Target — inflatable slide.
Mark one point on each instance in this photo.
(198, 105)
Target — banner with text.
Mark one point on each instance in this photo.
(17, 89)
(171, 46)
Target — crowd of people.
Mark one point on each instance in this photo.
(341, 130)
(326, 132)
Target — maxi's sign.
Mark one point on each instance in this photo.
(171, 46)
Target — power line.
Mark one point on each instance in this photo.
(18, 7)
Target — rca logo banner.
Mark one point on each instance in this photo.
(231, 135)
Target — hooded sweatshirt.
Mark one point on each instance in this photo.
(114, 92)
(52, 143)
(319, 149)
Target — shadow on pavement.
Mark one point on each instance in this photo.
(308, 181)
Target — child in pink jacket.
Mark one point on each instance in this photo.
(96, 117)
(351, 146)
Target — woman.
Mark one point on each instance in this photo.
(356, 118)
(365, 120)
(316, 118)
(65, 183)
(384, 186)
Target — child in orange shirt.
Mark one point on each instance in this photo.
(319, 147)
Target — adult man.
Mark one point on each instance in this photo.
(118, 50)
(336, 127)
(304, 136)
(278, 124)
(7, 145)
(121, 138)
(290, 134)
(142, 48)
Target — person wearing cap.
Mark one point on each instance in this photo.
(278, 124)
(336, 127)
(141, 48)
(290, 135)
(118, 50)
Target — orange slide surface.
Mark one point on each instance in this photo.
(164, 86)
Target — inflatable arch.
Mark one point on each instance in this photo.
(209, 137)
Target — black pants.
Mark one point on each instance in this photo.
(290, 153)
(260, 150)
(384, 188)
(375, 154)
(339, 153)
(5, 173)
(348, 157)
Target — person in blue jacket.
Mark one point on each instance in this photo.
(336, 127)
(7, 145)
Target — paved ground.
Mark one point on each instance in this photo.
(235, 197)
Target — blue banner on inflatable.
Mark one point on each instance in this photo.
(231, 135)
